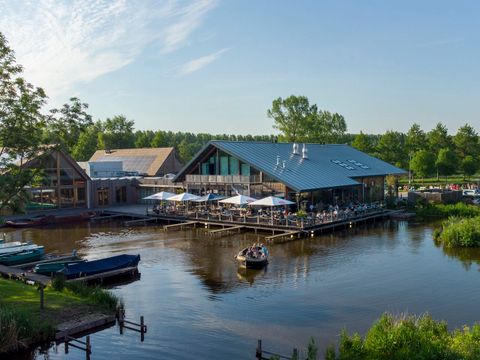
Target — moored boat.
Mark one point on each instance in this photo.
(253, 257)
(87, 268)
(83, 216)
(17, 248)
(4, 245)
(29, 222)
(53, 267)
(22, 257)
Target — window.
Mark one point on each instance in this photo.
(121, 194)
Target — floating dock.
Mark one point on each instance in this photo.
(16, 273)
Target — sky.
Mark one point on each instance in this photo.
(216, 65)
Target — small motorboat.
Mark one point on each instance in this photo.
(22, 257)
(87, 268)
(39, 220)
(4, 245)
(17, 248)
(53, 267)
(83, 216)
(256, 259)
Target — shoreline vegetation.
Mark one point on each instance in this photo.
(443, 211)
(22, 322)
(459, 232)
(402, 337)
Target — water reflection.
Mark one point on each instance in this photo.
(199, 304)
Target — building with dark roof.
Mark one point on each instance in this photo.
(313, 172)
(144, 161)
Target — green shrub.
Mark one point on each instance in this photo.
(95, 295)
(409, 337)
(444, 211)
(457, 232)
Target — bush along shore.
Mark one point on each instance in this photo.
(459, 232)
(444, 211)
(22, 322)
(409, 337)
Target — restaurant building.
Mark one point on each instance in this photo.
(313, 173)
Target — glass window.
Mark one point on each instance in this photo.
(224, 165)
(66, 197)
(234, 166)
(245, 169)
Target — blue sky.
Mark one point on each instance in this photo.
(215, 66)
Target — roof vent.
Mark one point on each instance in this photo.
(295, 149)
(304, 152)
(108, 151)
(284, 164)
(278, 160)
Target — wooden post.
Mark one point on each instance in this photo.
(258, 353)
(88, 348)
(142, 329)
(120, 320)
(66, 344)
(295, 354)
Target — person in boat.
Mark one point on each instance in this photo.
(264, 250)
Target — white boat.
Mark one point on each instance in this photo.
(4, 245)
(17, 249)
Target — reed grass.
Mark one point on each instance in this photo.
(444, 211)
(458, 232)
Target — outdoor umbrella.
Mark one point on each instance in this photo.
(271, 201)
(183, 197)
(238, 200)
(163, 195)
(210, 197)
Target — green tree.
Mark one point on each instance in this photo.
(423, 163)
(416, 139)
(391, 148)
(143, 139)
(87, 143)
(67, 124)
(469, 166)
(363, 143)
(438, 138)
(325, 128)
(21, 126)
(292, 117)
(466, 141)
(117, 133)
(446, 162)
(159, 140)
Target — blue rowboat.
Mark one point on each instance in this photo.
(87, 268)
(52, 267)
(22, 257)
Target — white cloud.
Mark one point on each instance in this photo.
(199, 63)
(62, 43)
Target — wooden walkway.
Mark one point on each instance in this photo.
(108, 274)
(227, 229)
(179, 225)
(19, 274)
(290, 234)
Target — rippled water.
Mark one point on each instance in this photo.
(198, 304)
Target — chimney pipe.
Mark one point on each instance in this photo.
(284, 164)
(304, 152)
(295, 149)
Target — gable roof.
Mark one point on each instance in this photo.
(144, 160)
(327, 166)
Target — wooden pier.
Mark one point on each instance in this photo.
(226, 229)
(288, 234)
(179, 225)
(16, 273)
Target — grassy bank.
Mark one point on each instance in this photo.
(459, 232)
(23, 323)
(444, 211)
(409, 337)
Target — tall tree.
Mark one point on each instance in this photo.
(466, 141)
(143, 139)
(87, 143)
(363, 143)
(391, 148)
(67, 123)
(446, 162)
(469, 166)
(415, 140)
(21, 126)
(117, 133)
(423, 163)
(292, 116)
(438, 138)
(325, 127)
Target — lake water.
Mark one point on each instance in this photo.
(199, 305)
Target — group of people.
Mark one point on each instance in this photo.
(257, 251)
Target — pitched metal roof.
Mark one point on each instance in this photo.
(327, 166)
(145, 160)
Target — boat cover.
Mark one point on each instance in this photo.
(93, 267)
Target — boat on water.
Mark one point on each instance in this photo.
(87, 268)
(29, 222)
(254, 257)
(17, 248)
(53, 267)
(4, 245)
(22, 257)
